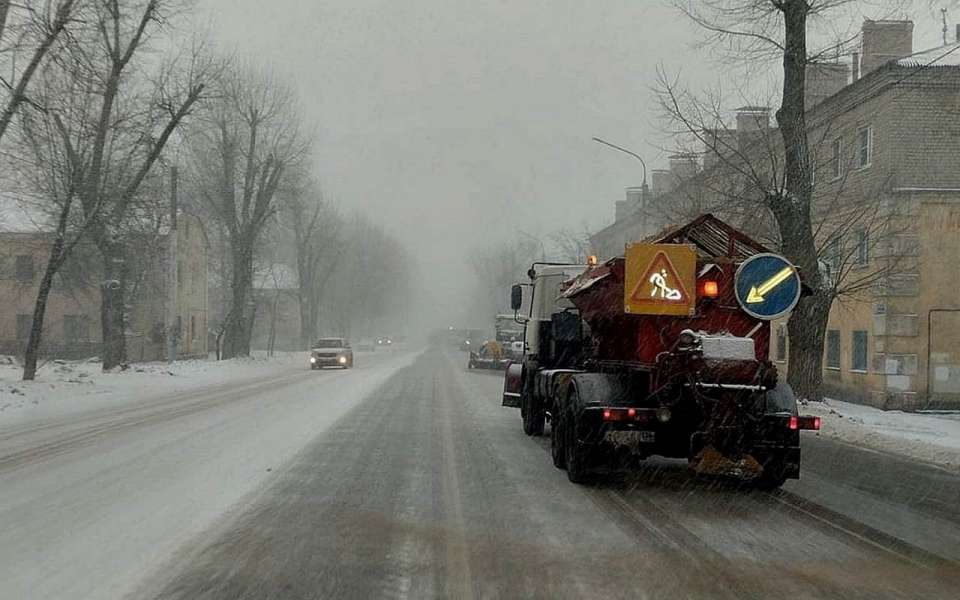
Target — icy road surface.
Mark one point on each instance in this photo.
(408, 480)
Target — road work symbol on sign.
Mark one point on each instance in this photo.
(767, 286)
(658, 279)
(661, 287)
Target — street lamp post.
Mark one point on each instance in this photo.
(643, 186)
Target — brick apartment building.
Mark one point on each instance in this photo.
(885, 135)
(72, 322)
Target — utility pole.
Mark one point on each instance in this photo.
(173, 330)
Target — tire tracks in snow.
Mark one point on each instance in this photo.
(94, 427)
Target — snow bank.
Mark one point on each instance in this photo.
(924, 436)
(67, 387)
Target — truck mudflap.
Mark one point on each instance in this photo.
(512, 385)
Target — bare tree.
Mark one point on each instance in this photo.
(317, 240)
(248, 139)
(776, 179)
(135, 120)
(44, 22)
(95, 132)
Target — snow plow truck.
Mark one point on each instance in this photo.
(662, 351)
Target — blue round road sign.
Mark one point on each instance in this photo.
(767, 286)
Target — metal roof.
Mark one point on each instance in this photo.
(941, 56)
(713, 238)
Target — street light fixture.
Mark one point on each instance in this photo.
(643, 185)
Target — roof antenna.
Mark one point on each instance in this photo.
(943, 16)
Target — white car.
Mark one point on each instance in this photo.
(331, 352)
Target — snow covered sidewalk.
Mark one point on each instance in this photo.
(68, 387)
(931, 437)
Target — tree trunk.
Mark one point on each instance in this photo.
(39, 313)
(792, 209)
(112, 305)
(236, 339)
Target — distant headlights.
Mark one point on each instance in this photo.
(342, 360)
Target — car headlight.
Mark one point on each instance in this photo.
(343, 360)
(313, 359)
(467, 342)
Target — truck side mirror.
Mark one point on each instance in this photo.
(516, 297)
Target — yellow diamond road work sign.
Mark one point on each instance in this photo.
(660, 279)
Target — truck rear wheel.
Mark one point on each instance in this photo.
(576, 453)
(534, 417)
(557, 451)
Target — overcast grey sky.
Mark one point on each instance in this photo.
(457, 121)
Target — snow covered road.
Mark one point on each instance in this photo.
(430, 489)
(91, 501)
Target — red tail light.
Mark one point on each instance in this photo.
(804, 423)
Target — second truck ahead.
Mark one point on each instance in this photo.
(661, 352)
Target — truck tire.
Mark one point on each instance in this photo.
(576, 453)
(534, 417)
(557, 451)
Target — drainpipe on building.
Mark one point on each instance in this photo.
(172, 329)
(929, 338)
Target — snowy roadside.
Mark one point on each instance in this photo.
(69, 387)
(928, 437)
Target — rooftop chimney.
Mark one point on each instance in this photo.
(884, 41)
(661, 182)
(683, 165)
(719, 143)
(855, 66)
(632, 205)
(753, 118)
(823, 81)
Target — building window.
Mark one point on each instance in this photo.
(859, 360)
(76, 328)
(863, 247)
(193, 327)
(864, 147)
(836, 159)
(833, 349)
(24, 322)
(781, 343)
(24, 269)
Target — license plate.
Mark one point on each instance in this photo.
(630, 438)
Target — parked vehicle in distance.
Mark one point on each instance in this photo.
(488, 355)
(331, 352)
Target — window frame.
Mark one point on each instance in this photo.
(864, 354)
(19, 269)
(868, 129)
(836, 157)
(833, 343)
(862, 253)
